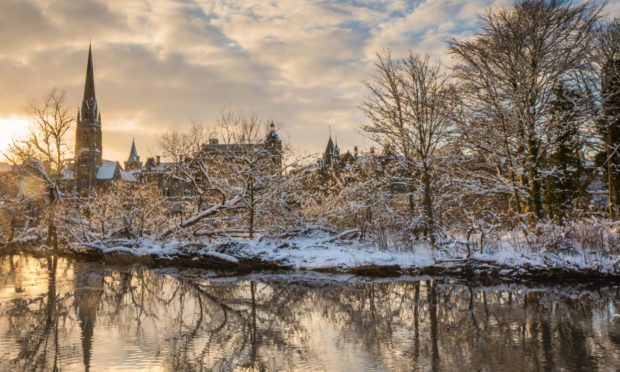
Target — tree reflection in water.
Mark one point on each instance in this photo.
(61, 315)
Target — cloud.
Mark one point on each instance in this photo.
(162, 62)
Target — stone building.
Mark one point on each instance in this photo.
(332, 160)
(90, 169)
(227, 154)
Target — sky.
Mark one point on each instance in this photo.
(164, 63)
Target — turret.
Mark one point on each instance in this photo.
(133, 161)
(274, 146)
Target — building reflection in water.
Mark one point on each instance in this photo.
(61, 315)
(88, 289)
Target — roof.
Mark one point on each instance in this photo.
(234, 148)
(128, 176)
(107, 170)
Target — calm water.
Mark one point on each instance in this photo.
(64, 315)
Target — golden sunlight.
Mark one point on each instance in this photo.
(11, 127)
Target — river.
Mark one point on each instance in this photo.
(59, 314)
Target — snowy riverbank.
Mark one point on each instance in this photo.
(319, 250)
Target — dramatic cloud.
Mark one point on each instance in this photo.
(160, 63)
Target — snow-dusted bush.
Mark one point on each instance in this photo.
(593, 235)
(121, 211)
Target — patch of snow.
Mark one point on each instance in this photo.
(321, 249)
(106, 170)
(128, 176)
(219, 255)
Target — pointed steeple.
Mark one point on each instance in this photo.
(89, 85)
(89, 103)
(133, 154)
(88, 136)
(330, 146)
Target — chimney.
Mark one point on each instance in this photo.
(157, 160)
(213, 141)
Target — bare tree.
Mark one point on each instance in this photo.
(507, 75)
(237, 171)
(187, 167)
(410, 107)
(44, 154)
(250, 160)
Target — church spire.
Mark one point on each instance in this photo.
(89, 85)
(88, 136)
(133, 153)
(89, 103)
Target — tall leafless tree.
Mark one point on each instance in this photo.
(249, 161)
(410, 106)
(44, 154)
(507, 74)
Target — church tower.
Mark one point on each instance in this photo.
(88, 150)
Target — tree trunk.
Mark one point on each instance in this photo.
(535, 195)
(52, 237)
(611, 192)
(252, 210)
(428, 203)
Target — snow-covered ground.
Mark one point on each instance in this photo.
(321, 250)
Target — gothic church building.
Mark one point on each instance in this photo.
(90, 169)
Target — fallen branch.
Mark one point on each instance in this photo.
(199, 216)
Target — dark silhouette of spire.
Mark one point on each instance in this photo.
(330, 146)
(133, 154)
(89, 85)
(89, 104)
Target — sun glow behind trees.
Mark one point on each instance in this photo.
(10, 128)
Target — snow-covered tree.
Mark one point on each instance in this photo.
(234, 170)
(122, 214)
(410, 105)
(609, 128)
(250, 163)
(565, 181)
(42, 157)
(507, 75)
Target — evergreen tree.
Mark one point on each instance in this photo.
(565, 181)
(608, 160)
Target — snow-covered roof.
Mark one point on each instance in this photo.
(128, 176)
(106, 170)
